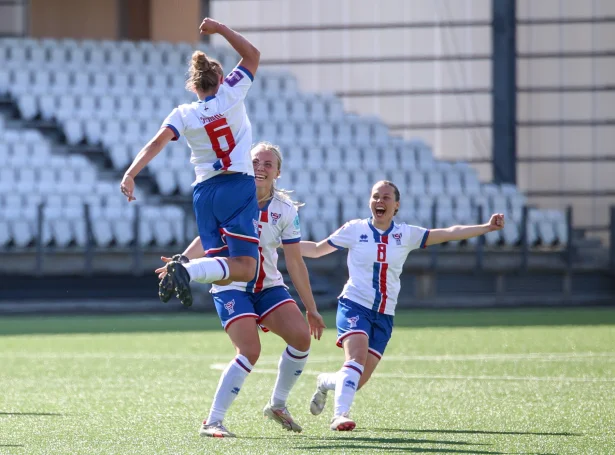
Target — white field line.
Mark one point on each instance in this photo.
(222, 366)
(534, 357)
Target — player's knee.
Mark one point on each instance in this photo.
(301, 340)
(242, 268)
(251, 353)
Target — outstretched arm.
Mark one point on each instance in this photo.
(250, 55)
(301, 279)
(147, 154)
(316, 250)
(465, 232)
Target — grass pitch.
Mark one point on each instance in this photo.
(451, 382)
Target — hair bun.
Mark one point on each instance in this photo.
(200, 62)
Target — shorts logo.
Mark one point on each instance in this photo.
(397, 238)
(230, 306)
(350, 384)
(363, 238)
(352, 322)
(275, 217)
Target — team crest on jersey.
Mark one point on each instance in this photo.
(275, 217)
(363, 238)
(230, 306)
(352, 322)
(397, 238)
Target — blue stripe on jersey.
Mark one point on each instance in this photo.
(376, 285)
(209, 98)
(172, 128)
(334, 245)
(424, 241)
(289, 241)
(217, 165)
(377, 235)
(248, 73)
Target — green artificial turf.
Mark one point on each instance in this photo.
(451, 382)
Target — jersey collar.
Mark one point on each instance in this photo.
(377, 234)
(209, 98)
(266, 206)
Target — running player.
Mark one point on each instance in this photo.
(378, 248)
(264, 299)
(219, 134)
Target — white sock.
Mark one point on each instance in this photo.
(228, 388)
(207, 270)
(290, 367)
(328, 381)
(345, 388)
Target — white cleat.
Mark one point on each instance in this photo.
(319, 399)
(342, 423)
(283, 417)
(215, 430)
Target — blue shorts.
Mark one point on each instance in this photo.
(232, 305)
(226, 213)
(354, 318)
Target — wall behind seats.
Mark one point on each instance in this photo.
(78, 19)
(391, 85)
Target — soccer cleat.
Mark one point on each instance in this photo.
(165, 287)
(181, 282)
(215, 430)
(342, 423)
(319, 399)
(283, 417)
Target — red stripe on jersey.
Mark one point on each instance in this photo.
(385, 239)
(260, 280)
(383, 286)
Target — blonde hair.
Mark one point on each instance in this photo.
(280, 192)
(204, 72)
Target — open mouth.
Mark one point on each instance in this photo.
(380, 211)
(260, 177)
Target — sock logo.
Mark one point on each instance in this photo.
(352, 322)
(298, 372)
(350, 384)
(230, 306)
(235, 390)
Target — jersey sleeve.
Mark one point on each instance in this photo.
(235, 86)
(342, 238)
(417, 236)
(292, 230)
(175, 122)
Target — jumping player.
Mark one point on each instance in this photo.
(219, 134)
(378, 248)
(264, 299)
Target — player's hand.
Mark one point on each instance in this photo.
(162, 271)
(496, 222)
(316, 323)
(209, 26)
(128, 187)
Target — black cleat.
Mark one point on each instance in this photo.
(165, 287)
(181, 282)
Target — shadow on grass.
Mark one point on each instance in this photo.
(352, 445)
(29, 414)
(516, 433)
(194, 321)
(382, 440)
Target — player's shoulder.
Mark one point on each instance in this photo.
(358, 222)
(283, 203)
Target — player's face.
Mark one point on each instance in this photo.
(265, 167)
(382, 202)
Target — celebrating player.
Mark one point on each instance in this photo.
(265, 299)
(219, 134)
(378, 248)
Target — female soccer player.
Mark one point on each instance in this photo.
(265, 299)
(219, 134)
(378, 248)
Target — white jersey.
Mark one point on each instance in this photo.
(278, 224)
(376, 260)
(217, 129)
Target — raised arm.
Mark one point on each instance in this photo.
(316, 250)
(250, 55)
(147, 154)
(465, 232)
